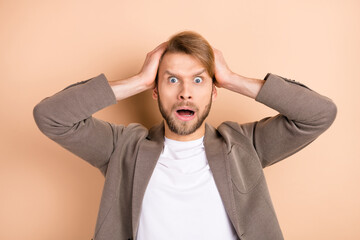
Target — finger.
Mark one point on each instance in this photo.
(215, 50)
(161, 47)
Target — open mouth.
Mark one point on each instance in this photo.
(185, 112)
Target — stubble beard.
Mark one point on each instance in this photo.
(184, 128)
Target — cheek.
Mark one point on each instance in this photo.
(167, 98)
(167, 92)
(204, 94)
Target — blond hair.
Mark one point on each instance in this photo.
(194, 44)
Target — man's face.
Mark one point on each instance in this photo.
(184, 92)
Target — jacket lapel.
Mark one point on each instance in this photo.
(148, 155)
(216, 156)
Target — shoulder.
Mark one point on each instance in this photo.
(235, 130)
(130, 133)
(232, 133)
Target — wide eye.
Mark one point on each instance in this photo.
(198, 80)
(173, 80)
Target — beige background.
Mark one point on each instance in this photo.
(48, 193)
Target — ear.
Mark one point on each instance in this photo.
(155, 94)
(214, 92)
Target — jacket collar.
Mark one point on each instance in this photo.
(148, 155)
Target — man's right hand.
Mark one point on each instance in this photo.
(144, 80)
(149, 69)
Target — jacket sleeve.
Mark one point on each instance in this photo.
(66, 118)
(303, 116)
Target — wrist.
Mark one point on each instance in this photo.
(128, 87)
(228, 81)
(145, 81)
(246, 86)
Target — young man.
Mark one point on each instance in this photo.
(184, 179)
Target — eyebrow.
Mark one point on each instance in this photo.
(174, 74)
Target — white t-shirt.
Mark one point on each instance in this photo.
(181, 201)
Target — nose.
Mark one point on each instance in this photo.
(185, 92)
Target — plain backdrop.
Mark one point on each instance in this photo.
(46, 193)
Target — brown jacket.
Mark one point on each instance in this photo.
(237, 153)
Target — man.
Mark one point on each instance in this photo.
(184, 179)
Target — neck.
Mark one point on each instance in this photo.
(193, 136)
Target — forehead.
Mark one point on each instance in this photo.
(180, 63)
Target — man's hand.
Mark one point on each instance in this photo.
(225, 78)
(149, 69)
(142, 81)
(223, 74)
